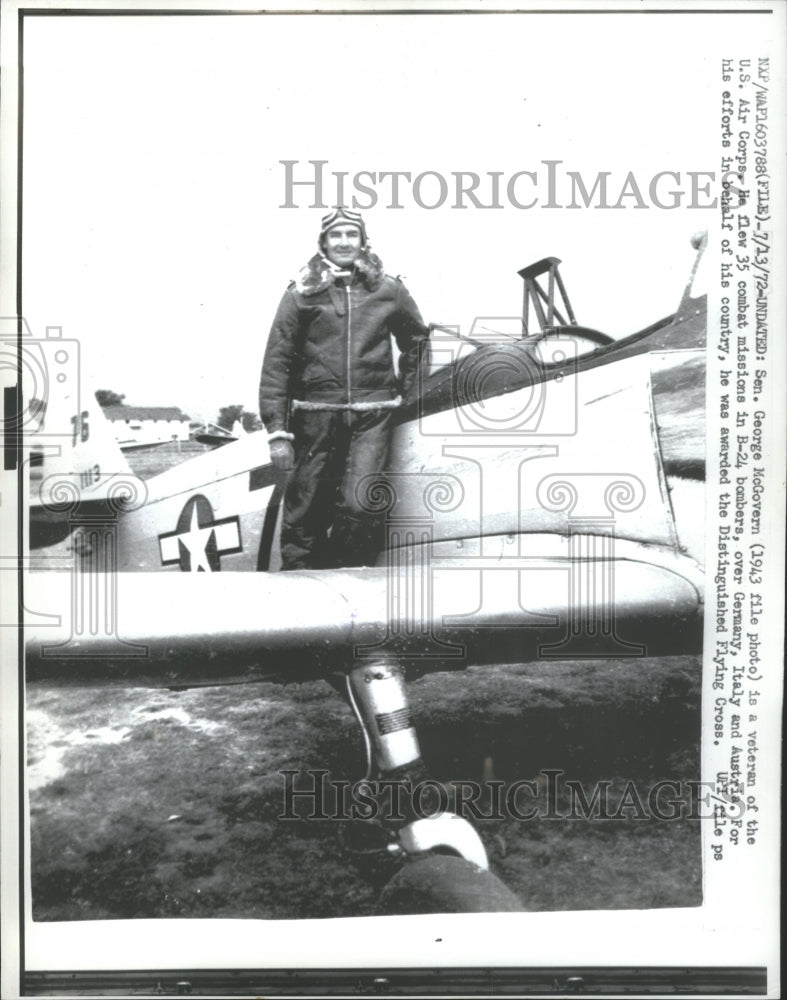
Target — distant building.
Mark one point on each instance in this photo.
(135, 425)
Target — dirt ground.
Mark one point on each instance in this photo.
(159, 803)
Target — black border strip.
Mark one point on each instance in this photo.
(11, 444)
(20, 487)
(363, 12)
(445, 982)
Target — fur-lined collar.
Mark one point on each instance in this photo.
(320, 273)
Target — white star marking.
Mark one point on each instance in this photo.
(223, 535)
(196, 541)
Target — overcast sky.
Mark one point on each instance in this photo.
(153, 226)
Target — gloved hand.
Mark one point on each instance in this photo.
(282, 454)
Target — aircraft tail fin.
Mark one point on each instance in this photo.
(75, 463)
(697, 285)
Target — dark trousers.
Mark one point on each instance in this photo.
(327, 518)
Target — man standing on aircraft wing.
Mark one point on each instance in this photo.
(328, 391)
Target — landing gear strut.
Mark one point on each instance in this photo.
(444, 866)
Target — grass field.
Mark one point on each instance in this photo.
(153, 803)
(147, 462)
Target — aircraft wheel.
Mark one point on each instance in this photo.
(441, 883)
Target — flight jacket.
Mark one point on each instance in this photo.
(330, 343)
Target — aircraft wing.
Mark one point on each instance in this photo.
(295, 625)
